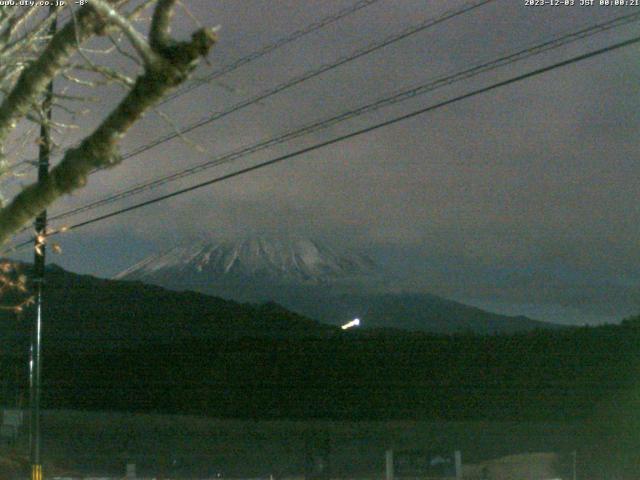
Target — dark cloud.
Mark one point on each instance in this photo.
(523, 199)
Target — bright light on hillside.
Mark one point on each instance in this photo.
(353, 323)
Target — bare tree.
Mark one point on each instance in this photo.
(30, 58)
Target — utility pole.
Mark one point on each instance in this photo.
(35, 361)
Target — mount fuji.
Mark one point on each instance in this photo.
(256, 269)
(314, 279)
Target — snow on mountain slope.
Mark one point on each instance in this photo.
(315, 280)
(290, 260)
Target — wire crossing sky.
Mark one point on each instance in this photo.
(520, 200)
(333, 141)
(389, 100)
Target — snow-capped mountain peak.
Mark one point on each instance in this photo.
(290, 260)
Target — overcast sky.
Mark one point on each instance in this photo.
(523, 200)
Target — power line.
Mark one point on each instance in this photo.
(253, 56)
(396, 37)
(389, 100)
(271, 47)
(362, 131)
(408, 31)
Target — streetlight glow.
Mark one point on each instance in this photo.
(353, 323)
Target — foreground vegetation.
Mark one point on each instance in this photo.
(196, 447)
(113, 346)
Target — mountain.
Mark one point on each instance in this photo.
(316, 280)
(116, 345)
(86, 312)
(416, 312)
(293, 260)
(258, 269)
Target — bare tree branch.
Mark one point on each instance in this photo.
(172, 63)
(137, 40)
(159, 35)
(35, 78)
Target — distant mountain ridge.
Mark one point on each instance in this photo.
(290, 260)
(85, 312)
(316, 280)
(413, 312)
